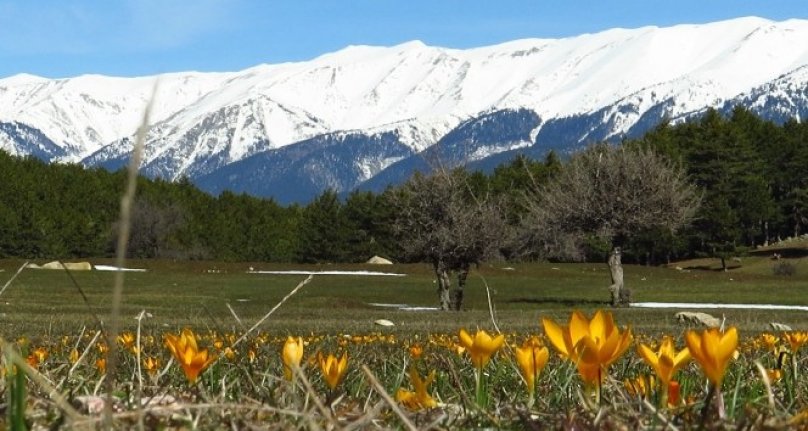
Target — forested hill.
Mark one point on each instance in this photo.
(753, 175)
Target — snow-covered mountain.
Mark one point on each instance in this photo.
(344, 118)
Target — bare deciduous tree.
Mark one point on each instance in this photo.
(439, 219)
(611, 193)
(153, 227)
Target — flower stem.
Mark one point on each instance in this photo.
(479, 393)
(707, 401)
(599, 393)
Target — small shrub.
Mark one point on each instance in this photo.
(783, 268)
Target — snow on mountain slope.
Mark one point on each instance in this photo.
(780, 100)
(84, 113)
(20, 140)
(204, 121)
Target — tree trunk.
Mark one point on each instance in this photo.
(620, 295)
(765, 234)
(444, 283)
(457, 292)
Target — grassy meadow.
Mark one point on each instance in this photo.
(197, 294)
(51, 318)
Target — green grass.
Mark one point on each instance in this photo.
(44, 309)
(180, 294)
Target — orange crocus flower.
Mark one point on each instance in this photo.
(796, 339)
(481, 347)
(665, 361)
(593, 345)
(186, 351)
(333, 369)
(713, 351)
(420, 398)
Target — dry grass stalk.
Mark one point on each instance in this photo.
(386, 397)
(83, 296)
(490, 303)
(84, 353)
(767, 383)
(278, 305)
(313, 396)
(8, 283)
(40, 380)
(124, 227)
(235, 316)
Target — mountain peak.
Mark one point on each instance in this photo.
(22, 79)
(607, 83)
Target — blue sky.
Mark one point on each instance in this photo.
(62, 38)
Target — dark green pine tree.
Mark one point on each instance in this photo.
(751, 185)
(369, 217)
(717, 231)
(792, 179)
(323, 231)
(707, 156)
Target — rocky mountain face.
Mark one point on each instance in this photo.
(365, 117)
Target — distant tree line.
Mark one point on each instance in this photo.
(751, 177)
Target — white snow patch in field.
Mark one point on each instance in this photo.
(718, 306)
(296, 272)
(115, 268)
(403, 307)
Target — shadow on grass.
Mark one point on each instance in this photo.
(566, 302)
(712, 268)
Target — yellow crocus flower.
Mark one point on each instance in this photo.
(191, 358)
(333, 369)
(796, 339)
(481, 347)
(769, 340)
(713, 351)
(564, 338)
(292, 354)
(127, 339)
(593, 345)
(152, 365)
(531, 357)
(420, 398)
(416, 351)
(774, 374)
(641, 386)
(665, 361)
(41, 354)
(101, 365)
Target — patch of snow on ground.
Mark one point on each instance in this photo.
(718, 306)
(403, 307)
(296, 272)
(115, 268)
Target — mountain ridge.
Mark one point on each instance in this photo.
(585, 88)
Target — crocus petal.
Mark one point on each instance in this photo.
(682, 357)
(579, 327)
(465, 339)
(556, 336)
(600, 326)
(649, 356)
(728, 343)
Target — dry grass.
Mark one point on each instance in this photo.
(333, 313)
